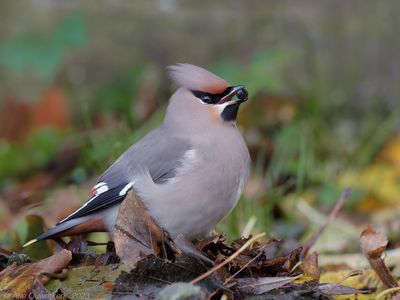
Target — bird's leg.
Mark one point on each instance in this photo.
(189, 248)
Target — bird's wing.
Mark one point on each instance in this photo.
(159, 155)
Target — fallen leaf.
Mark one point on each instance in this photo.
(108, 285)
(365, 283)
(310, 268)
(39, 291)
(182, 290)
(151, 274)
(261, 285)
(83, 256)
(19, 280)
(137, 235)
(373, 245)
(88, 282)
(256, 261)
(333, 289)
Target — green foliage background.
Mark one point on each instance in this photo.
(335, 63)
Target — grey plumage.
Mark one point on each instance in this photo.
(189, 172)
(167, 151)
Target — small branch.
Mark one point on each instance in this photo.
(378, 265)
(248, 263)
(229, 259)
(333, 214)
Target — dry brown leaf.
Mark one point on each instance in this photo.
(261, 285)
(16, 281)
(39, 291)
(373, 244)
(310, 267)
(333, 289)
(137, 235)
(262, 260)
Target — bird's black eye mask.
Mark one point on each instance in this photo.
(225, 96)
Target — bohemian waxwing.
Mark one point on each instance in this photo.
(189, 172)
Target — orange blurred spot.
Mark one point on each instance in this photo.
(51, 110)
(15, 119)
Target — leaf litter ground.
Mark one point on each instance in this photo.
(143, 262)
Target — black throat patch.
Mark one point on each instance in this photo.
(230, 112)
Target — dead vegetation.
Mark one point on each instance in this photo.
(145, 263)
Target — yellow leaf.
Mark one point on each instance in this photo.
(367, 279)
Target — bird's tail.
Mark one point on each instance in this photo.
(52, 232)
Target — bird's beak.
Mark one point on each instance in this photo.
(239, 91)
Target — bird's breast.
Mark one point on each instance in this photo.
(206, 187)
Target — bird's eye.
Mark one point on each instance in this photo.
(206, 99)
(242, 94)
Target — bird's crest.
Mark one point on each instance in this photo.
(195, 78)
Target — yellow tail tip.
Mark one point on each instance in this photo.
(29, 243)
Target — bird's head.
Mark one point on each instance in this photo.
(198, 86)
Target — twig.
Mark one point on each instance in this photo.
(298, 264)
(378, 265)
(242, 268)
(333, 214)
(229, 259)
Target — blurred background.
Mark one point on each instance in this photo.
(82, 80)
